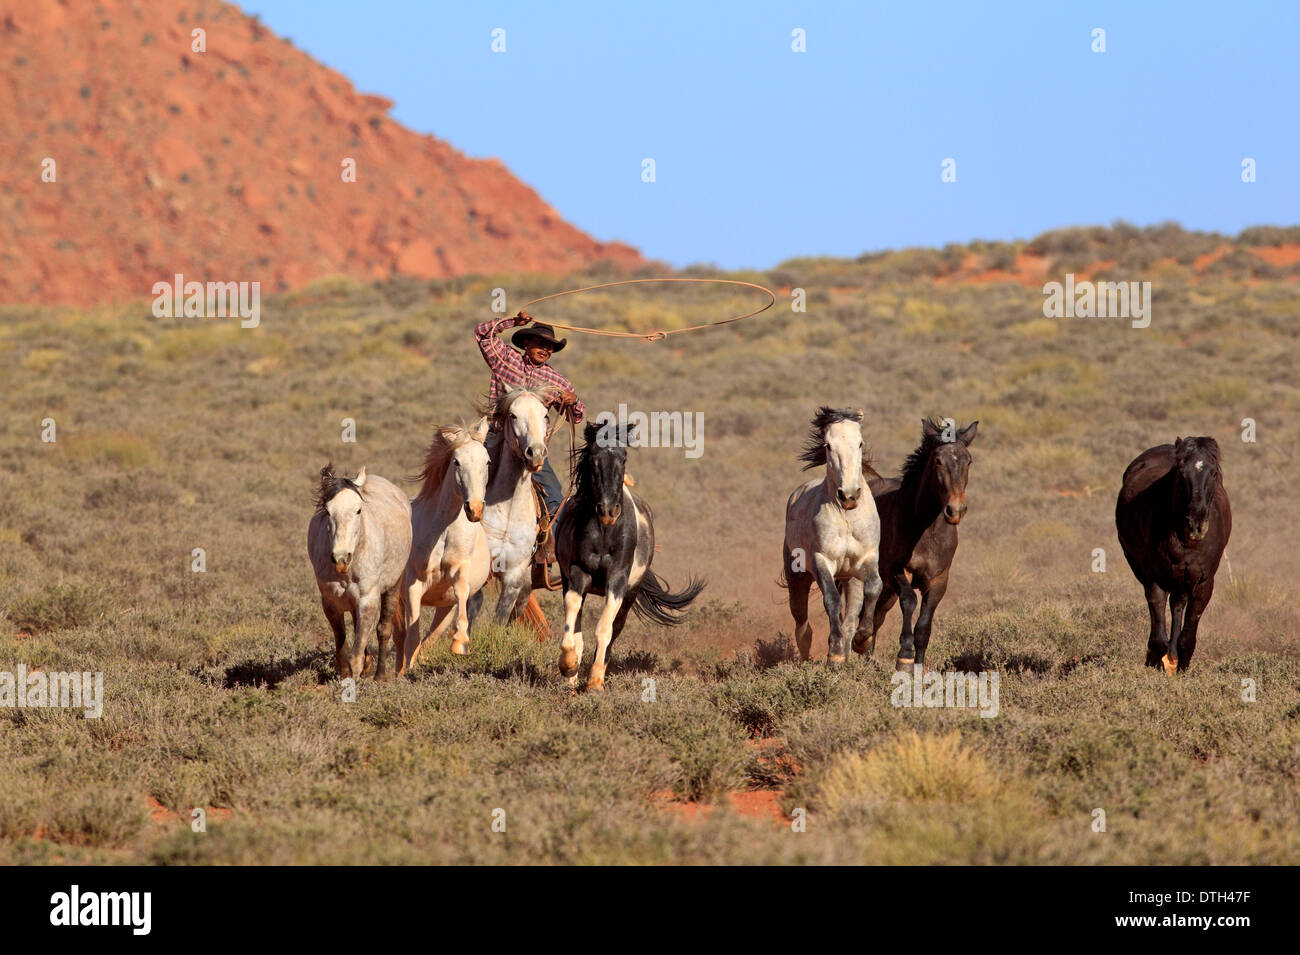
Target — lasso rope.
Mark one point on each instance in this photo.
(663, 333)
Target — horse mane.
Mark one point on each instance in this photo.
(814, 449)
(1204, 445)
(498, 412)
(931, 438)
(583, 486)
(446, 440)
(330, 485)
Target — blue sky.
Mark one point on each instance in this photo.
(763, 154)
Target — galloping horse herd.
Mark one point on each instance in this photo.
(866, 541)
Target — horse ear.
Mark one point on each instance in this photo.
(1178, 445)
(859, 414)
(360, 479)
(967, 434)
(479, 430)
(589, 432)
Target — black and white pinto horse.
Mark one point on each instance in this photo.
(604, 543)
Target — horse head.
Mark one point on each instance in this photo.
(835, 440)
(604, 465)
(1196, 479)
(950, 468)
(521, 415)
(341, 500)
(469, 465)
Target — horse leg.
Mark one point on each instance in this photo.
(605, 633)
(571, 643)
(851, 600)
(932, 591)
(473, 606)
(831, 601)
(620, 618)
(1172, 660)
(906, 604)
(884, 603)
(460, 642)
(409, 631)
(1200, 598)
(864, 639)
(334, 614)
(443, 618)
(384, 631)
(799, 583)
(363, 621)
(511, 585)
(1158, 642)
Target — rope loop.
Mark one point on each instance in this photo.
(661, 334)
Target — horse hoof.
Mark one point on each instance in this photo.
(568, 661)
(902, 665)
(460, 648)
(1171, 666)
(596, 684)
(864, 645)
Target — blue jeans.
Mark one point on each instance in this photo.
(545, 478)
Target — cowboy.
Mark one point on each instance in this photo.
(529, 368)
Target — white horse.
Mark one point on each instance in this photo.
(358, 541)
(832, 533)
(510, 514)
(449, 561)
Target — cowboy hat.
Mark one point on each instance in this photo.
(543, 334)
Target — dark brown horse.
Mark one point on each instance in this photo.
(919, 514)
(1174, 520)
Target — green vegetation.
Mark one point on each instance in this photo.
(183, 434)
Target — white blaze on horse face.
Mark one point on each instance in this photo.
(471, 466)
(528, 422)
(345, 522)
(844, 461)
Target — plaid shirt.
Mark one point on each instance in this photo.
(511, 368)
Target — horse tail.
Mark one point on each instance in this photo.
(656, 604)
(533, 616)
(399, 617)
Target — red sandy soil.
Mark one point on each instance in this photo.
(751, 803)
(225, 165)
(161, 814)
(1034, 270)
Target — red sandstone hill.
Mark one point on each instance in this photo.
(225, 165)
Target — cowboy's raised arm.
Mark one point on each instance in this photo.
(488, 334)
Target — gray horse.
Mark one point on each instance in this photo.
(832, 534)
(358, 541)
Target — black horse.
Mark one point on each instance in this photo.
(604, 542)
(1174, 520)
(919, 514)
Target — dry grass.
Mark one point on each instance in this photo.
(174, 435)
